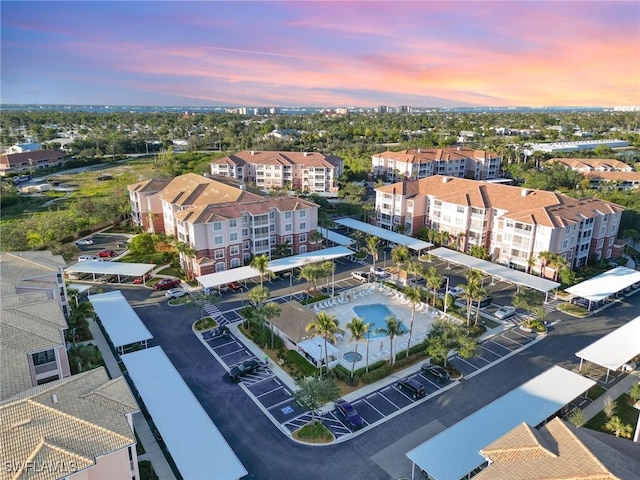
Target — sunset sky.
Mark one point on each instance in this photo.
(329, 53)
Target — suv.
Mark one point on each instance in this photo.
(361, 276)
(379, 272)
(167, 283)
(245, 368)
(435, 371)
(485, 302)
(413, 387)
(175, 293)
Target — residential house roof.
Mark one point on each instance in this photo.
(195, 190)
(308, 159)
(557, 451)
(72, 421)
(293, 320)
(427, 155)
(614, 176)
(593, 164)
(36, 156)
(151, 186)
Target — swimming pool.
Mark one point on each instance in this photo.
(374, 315)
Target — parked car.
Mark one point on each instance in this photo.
(485, 302)
(106, 254)
(413, 387)
(350, 414)
(505, 312)
(379, 272)
(235, 286)
(245, 368)
(456, 291)
(361, 276)
(629, 367)
(175, 293)
(167, 283)
(141, 280)
(435, 371)
(85, 241)
(88, 258)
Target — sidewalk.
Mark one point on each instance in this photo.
(153, 453)
(614, 392)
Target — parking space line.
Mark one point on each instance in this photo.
(268, 392)
(368, 403)
(224, 344)
(401, 393)
(511, 340)
(483, 345)
(429, 380)
(519, 334)
(261, 379)
(463, 360)
(281, 403)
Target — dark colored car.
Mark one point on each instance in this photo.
(412, 387)
(352, 417)
(244, 368)
(167, 283)
(106, 254)
(485, 302)
(436, 371)
(235, 286)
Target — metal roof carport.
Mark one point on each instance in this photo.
(615, 349)
(393, 237)
(122, 324)
(496, 271)
(604, 285)
(120, 269)
(336, 237)
(196, 445)
(455, 452)
(216, 279)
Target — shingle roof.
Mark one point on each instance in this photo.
(525, 205)
(74, 420)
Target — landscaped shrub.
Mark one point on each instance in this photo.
(373, 366)
(341, 373)
(377, 374)
(146, 470)
(261, 335)
(297, 362)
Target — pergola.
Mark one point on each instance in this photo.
(496, 271)
(615, 349)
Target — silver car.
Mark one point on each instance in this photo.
(175, 293)
(505, 312)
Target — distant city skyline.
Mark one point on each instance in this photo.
(332, 54)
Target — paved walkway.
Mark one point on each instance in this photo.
(623, 386)
(153, 452)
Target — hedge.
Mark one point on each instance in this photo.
(294, 360)
(377, 374)
(373, 366)
(341, 373)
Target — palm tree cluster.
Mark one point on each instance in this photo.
(312, 272)
(326, 326)
(78, 324)
(473, 293)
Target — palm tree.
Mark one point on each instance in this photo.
(393, 329)
(470, 294)
(545, 258)
(415, 268)
(185, 252)
(283, 250)
(399, 256)
(474, 275)
(261, 264)
(268, 312)
(373, 249)
(434, 280)
(326, 326)
(358, 329)
(258, 295)
(413, 294)
(618, 427)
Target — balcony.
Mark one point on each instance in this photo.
(45, 367)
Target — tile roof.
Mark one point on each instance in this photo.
(195, 190)
(624, 176)
(556, 451)
(427, 155)
(591, 163)
(16, 158)
(153, 185)
(308, 159)
(73, 420)
(525, 205)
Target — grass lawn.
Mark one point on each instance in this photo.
(314, 433)
(624, 410)
(573, 309)
(205, 323)
(171, 271)
(595, 392)
(156, 258)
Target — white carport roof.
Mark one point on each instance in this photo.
(615, 349)
(196, 445)
(315, 347)
(393, 237)
(111, 268)
(122, 324)
(605, 284)
(454, 453)
(336, 237)
(499, 271)
(216, 279)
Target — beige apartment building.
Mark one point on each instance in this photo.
(419, 163)
(34, 304)
(310, 172)
(225, 224)
(514, 224)
(585, 165)
(76, 428)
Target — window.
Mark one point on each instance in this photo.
(272, 215)
(220, 267)
(219, 253)
(288, 239)
(218, 240)
(565, 244)
(245, 232)
(246, 245)
(460, 209)
(287, 215)
(235, 262)
(41, 358)
(217, 226)
(303, 213)
(233, 222)
(288, 227)
(233, 237)
(303, 238)
(234, 250)
(611, 240)
(303, 249)
(303, 226)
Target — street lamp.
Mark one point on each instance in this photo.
(446, 292)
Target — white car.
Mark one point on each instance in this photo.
(175, 293)
(361, 276)
(505, 312)
(456, 291)
(629, 367)
(85, 241)
(379, 272)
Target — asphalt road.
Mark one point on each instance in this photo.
(379, 453)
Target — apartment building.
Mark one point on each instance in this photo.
(514, 224)
(311, 172)
(619, 180)
(77, 428)
(585, 165)
(14, 163)
(34, 304)
(420, 163)
(224, 224)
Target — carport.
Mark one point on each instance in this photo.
(122, 324)
(335, 237)
(604, 285)
(615, 349)
(388, 235)
(196, 445)
(213, 280)
(119, 269)
(455, 452)
(496, 271)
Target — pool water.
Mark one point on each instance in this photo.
(352, 356)
(374, 315)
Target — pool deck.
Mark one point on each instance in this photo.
(379, 348)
